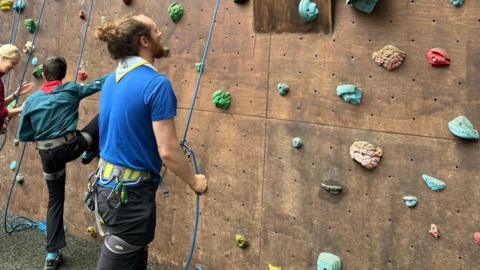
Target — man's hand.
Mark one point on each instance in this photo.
(200, 184)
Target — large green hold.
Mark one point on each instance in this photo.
(366, 6)
(463, 128)
(38, 72)
(222, 99)
(31, 25)
(175, 11)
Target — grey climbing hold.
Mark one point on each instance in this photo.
(350, 93)
(390, 57)
(334, 190)
(434, 231)
(410, 201)
(35, 61)
(328, 261)
(308, 10)
(16, 142)
(13, 165)
(282, 88)
(463, 128)
(434, 183)
(457, 3)
(297, 142)
(19, 179)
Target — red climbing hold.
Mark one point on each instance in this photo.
(82, 15)
(82, 75)
(476, 236)
(438, 57)
(127, 2)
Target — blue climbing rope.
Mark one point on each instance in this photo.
(84, 39)
(13, 38)
(183, 141)
(19, 223)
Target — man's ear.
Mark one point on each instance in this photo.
(144, 41)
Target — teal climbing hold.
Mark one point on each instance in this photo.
(222, 99)
(366, 6)
(350, 93)
(463, 128)
(35, 61)
(297, 142)
(457, 3)
(31, 25)
(175, 11)
(308, 10)
(434, 183)
(410, 201)
(328, 261)
(199, 66)
(282, 88)
(19, 6)
(13, 165)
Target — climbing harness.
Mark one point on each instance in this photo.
(183, 142)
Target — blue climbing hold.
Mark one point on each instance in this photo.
(463, 128)
(434, 183)
(410, 201)
(297, 142)
(19, 6)
(308, 10)
(350, 93)
(13, 165)
(35, 61)
(282, 88)
(199, 267)
(457, 3)
(366, 6)
(328, 261)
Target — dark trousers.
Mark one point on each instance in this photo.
(134, 222)
(54, 163)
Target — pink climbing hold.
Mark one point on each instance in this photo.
(476, 237)
(434, 231)
(82, 75)
(438, 57)
(365, 153)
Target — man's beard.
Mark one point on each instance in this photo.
(161, 51)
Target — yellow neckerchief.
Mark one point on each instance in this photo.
(128, 64)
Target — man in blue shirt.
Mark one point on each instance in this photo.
(137, 135)
(50, 117)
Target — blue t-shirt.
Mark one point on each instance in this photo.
(127, 109)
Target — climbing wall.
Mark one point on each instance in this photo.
(259, 185)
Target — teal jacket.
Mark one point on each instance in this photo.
(49, 116)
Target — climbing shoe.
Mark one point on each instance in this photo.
(88, 156)
(53, 263)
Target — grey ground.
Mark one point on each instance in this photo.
(25, 250)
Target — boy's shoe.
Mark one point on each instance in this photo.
(88, 156)
(53, 264)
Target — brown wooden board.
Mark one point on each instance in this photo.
(368, 225)
(283, 16)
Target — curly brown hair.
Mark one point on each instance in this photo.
(122, 37)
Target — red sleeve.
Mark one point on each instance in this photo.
(3, 113)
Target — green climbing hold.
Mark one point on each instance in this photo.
(175, 11)
(350, 93)
(31, 25)
(328, 261)
(19, 179)
(12, 104)
(297, 142)
(282, 88)
(457, 3)
(463, 128)
(222, 99)
(16, 142)
(199, 66)
(366, 6)
(38, 72)
(308, 10)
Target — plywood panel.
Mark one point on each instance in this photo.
(368, 225)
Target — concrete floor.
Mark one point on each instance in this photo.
(25, 250)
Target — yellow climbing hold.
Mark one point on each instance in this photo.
(6, 5)
(272, 267)
(241, 241)
(92, 231)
